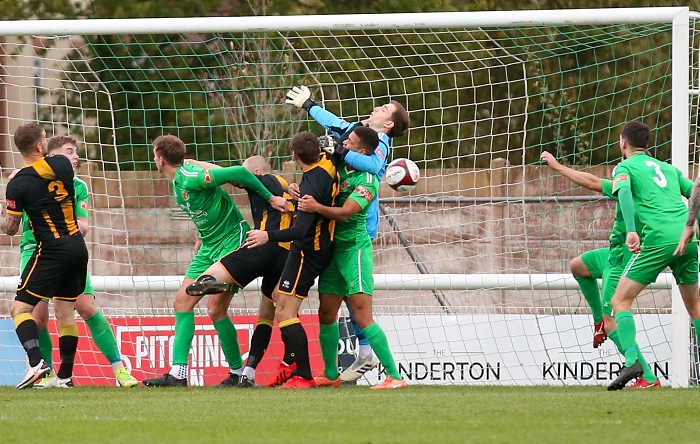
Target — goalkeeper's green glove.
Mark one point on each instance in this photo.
(300, 96)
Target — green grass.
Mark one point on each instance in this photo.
(350, 414)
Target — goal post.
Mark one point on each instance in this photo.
(471, 267)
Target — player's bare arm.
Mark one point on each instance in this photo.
(694, 204)
(693, 208)
(586, 180)
(83, 225)
(309, 205)
(201, 164)
(9, 223)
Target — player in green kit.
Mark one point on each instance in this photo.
(221, 229)
(604, 263)
(99, 327)
(651, 191)
(349, 275)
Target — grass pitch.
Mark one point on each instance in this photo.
(354, 415)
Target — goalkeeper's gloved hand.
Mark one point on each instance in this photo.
(300, 96)
(327, 143)
(335, 149)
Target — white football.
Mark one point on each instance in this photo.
(402, 175)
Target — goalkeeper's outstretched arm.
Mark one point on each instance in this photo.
(300, 96)
(586, 180)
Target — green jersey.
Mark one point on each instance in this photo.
(198, 192)
(28, 242)
(363, 188)
(656, 188)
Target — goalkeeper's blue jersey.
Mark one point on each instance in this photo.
(374, 164)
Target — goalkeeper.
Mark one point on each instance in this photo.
(389, 120)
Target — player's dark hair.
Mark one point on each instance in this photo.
(171, 149)
(28, 136)
(400, 119)
(636, 134)
(58, 141)
(305, 146)
(368, 137)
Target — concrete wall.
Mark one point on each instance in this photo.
(143, 233)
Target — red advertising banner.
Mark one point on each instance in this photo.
(146, 344)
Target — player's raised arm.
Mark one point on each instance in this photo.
(300, 96)
(586, 180)
(201, 164)
(241, 177)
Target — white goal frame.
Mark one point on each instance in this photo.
(679, 17)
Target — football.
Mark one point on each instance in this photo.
(402, 175)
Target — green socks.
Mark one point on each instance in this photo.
(380, 345)
(46, 346)
(328, 336)
(627, 331)
(648, 375)
(590, 290)
(184, 333)
(102, 333)
(696, 325)
(228, 339)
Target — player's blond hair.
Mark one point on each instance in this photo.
(58, 141)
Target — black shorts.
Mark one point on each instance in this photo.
(247, 264)
(56, 270)
(302, 269)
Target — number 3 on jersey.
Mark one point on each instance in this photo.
(56, 186)
(660, 179)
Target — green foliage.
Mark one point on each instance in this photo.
(491, 93)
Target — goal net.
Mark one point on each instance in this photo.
(471, 267)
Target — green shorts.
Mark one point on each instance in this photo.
(350, 270)
(596, 261)
(646, 266)
(208, 254)
(26, 254)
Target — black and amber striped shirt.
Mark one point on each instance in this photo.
(313, 231)
(264, 216)
(44, 190)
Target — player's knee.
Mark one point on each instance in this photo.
(41, 315)
(184, 304)
(326, 316)
(86, 307)
(578, 268)
(216, 312)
